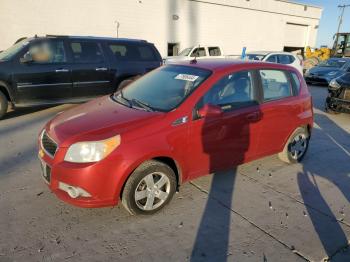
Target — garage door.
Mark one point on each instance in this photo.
(295, 35)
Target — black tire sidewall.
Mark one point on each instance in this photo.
(128, 196)
(296, 133)
(3, 105)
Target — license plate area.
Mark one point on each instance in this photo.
(46, 172)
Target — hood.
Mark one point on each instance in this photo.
(96, 120)
(323, 70)
(172, 59)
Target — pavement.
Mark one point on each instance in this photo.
(265, 210)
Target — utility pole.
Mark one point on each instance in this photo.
(342, 9)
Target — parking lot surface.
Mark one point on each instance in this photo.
(262, 211)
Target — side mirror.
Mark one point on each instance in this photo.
(27, 58)
(209, 110)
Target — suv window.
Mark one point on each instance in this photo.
(214, 51)
(86, 52)
(48, 52)
(232, 91)
(284, 59)
(198, 52)
(275, 84)
(123, 52)
(272, 59)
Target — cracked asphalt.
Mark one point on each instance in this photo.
(261, 211)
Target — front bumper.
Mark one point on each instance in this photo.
(102, 181)
(342, 105)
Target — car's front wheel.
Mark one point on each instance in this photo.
(296, 146)
(149, 188)
(3, 105)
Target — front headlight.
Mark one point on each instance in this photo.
(91, 151)
(334, 84)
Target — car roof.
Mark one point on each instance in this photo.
(217, 64)
(88, 38)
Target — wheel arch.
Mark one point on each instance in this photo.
(4, 88)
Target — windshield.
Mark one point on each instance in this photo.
(333, 63)
(185, 52)
(163, 89)
(13, 50)
(257, 57)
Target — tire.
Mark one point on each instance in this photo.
(3, 105)
(140, 181)
(330, 110)
(291, 156)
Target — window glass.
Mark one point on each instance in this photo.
(284, 59)
(291, 59)
(297, 83)
(13, 50)
(86, 52)
(48, 52)
(198, 52)
(275, 84)
(214, 51)
(133, 52)
(256, 57)
(272, 59)
(232, 91)
(150, 89)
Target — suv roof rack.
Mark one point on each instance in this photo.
(96, 37)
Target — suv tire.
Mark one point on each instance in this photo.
(3, 105)
(149, 188)
(296, 146)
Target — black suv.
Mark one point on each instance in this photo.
(69, 69)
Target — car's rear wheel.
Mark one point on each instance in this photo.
(149, 188)
(3, 105)
(296, 146)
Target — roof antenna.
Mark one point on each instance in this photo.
(194, 60)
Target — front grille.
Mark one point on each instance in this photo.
(48, 144)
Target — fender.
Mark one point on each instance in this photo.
(9, 90)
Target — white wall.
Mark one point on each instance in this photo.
(256, 24)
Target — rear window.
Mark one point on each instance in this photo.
(214, 51)
(125, 52)
(86, 52)
(275, 84)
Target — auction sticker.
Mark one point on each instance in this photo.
(186, 77)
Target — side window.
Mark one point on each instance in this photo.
(214, 51)
(232, 91)
(272, 59)
(284, 59)
(86, 52)
(198, 52)
(48, 52)
(296, 83)
(275, 84)
(146, 53)
(123, 52)
(291, 59)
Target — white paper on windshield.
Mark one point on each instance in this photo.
(186, 77)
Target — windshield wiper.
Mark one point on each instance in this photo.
(119, 96)
(142, 104)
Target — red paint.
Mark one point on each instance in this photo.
(263, 130)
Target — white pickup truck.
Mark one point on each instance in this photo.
(198, 51)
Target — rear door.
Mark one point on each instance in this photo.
(91, 74)
(279, 110)
(45, 79)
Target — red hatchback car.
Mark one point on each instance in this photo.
(174, 124)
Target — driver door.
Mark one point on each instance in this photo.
(45, 76)
(230, 138)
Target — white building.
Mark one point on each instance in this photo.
(170, 24)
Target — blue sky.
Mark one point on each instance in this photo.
(329, 21)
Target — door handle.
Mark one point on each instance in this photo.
(101, 69)
(61, 70)
(254, 116)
